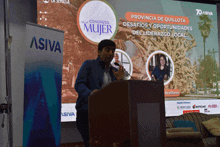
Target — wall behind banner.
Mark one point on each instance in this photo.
(3, 132)
(20, 12)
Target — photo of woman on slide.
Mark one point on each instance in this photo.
(161, 71)
(121, 59)
(117, 62)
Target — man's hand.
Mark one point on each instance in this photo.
(165, 77)
(153, 78)
(120, 73)
(94, 91)
(146, 79)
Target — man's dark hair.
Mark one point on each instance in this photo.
(105, 43)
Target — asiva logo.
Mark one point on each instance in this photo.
(46, 44)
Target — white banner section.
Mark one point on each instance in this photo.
(68, 112)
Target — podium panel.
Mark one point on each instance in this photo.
(148, 124)
(128, 113)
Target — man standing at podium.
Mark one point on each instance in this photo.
(92, 76)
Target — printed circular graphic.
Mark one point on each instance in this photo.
(125, 60)
(96, 21)
(148, 61)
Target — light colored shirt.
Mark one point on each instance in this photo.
(106, 78)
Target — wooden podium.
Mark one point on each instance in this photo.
(128, 113)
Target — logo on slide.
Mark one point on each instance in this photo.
(57, 1)
(46, 1)
(199, 106)
(200, 12)
(213, 106)
(96, 21)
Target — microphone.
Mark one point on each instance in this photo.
(124, 70)
(116, 64)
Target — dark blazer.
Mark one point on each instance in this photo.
(89, 78)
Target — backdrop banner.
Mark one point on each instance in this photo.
(42, 86)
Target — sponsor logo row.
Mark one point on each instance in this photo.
(197, 106)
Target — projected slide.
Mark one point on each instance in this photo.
(171, 41)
